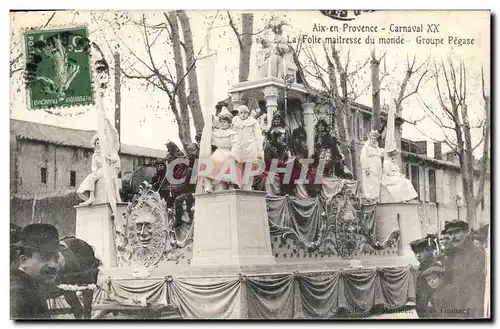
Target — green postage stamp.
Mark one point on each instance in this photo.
(58, 68)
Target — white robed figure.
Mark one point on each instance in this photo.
(105, 160)
(219, 170)
(249, 145)
(395, 186)
(371, 165)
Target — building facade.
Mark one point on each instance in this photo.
(51, 162)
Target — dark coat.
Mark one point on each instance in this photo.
(469, 278)
(443, 303)
(25, 301)
(423, 292)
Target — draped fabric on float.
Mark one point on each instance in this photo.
(303, 216)
(278, 296)
(271, 297)
(319, 294)
(206, 300)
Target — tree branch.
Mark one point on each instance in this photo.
(233, 26)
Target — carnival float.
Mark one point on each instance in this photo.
(301, 239)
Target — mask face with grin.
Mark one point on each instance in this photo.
(144, 231)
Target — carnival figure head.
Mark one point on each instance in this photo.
(321, 127)
(225, 119)
(392, 155)
(173, 149)
(278, 120)
(244, 112)
(95, 143)
(160, 166)
(144, 229)
(373, 138)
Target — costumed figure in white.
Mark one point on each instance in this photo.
(249, 146)
(86, 190)
(275, 57)
(371, 166)
(395, 186)
(225, 173)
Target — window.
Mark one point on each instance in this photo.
(75, 154)
(415, 179)
(46, 147)
(432, 185)
(482, 203)
(86, 154)
(72, 178)
(43, 175)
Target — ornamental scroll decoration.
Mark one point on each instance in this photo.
(144, 240)
(345, 229)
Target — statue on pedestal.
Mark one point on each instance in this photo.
(371, 167)
(225, 174)
(249, 146)
(395, 186)
(86, 190)
(275, 57)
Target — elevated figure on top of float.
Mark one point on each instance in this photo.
(225, 173)
(249, 145)
(371, 166)
(86, 190)
(395, 187)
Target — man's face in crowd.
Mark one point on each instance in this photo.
(423, 255)
(458, 237)
(41, 266)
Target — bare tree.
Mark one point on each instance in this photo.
(193, 97)
(453, 119)
(244, 42)
(156, 71)
(338, 89)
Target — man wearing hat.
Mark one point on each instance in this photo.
(468, 269)
(424, 252)
(37, 259)
(443, 297)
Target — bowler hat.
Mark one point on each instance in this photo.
(456, 225)
(42, 237)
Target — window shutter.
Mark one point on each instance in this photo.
(426, 184)
(440, 186)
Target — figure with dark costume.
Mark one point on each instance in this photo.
(326, 148)
(38, 254)
(159, 177)
(276, 146)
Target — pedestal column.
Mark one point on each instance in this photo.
(95, 226)
(271, 96)
(231, 230)
(309, 125)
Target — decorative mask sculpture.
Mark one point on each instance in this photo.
(145, 240)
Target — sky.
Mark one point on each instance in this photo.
(146, 119)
